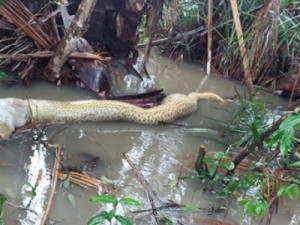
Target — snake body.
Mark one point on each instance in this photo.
(17, 112)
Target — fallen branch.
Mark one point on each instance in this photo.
(54, 181)
(152, 21)
(178, 37)
(48, 54)
(251, 148)
(67, 45)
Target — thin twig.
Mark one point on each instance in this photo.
(54, 181)
(151, 193)
(209, 35)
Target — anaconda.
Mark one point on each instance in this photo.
(17, 112)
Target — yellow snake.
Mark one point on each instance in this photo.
(16, 112)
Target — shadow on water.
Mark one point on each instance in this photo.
(159, 152)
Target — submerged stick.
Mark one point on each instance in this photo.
(54, 181)
(150, 192)
(239, 158)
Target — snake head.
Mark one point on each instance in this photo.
(206, 95)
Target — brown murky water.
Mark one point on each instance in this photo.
(159, 152)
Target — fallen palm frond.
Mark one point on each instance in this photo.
(25, 21)
(26, 39)
(22, 34)
(84, 180)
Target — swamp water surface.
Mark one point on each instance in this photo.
(160, 153)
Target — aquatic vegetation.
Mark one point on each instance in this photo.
(273, 169)
(111, 214)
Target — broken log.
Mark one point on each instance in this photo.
(67, 45)
(48, 54)
(178, 37)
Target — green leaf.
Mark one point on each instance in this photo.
(190, 208)
(249, 208)
(107, 180)
(219, 155)
(254, 131)
(212, 169)
(66, 182)
(230, 166)
(129, 201)
(260, 208)
(166, 221)
(209, 160)
(122, 220)
(281, 190)
(99, 218)
(173, 183)
(104, 199)
(292, 191)
(255, 165)
(3, 74)
(2, 198)
(285, 3)
(2, 201)
(244, 201)
(295, 164)
(297, 110)
(275, 138)
(286, 141)
(112, 214)
(71, 199)
(290, 121)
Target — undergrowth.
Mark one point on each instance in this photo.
(271, 170)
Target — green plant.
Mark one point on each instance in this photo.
(284, 137)
(191, 13)
(2, 201)
(273, 172)
(254, 206)
(2, 73)
(109, 215)
(250, 121)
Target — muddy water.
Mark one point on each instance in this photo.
(160, 154)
